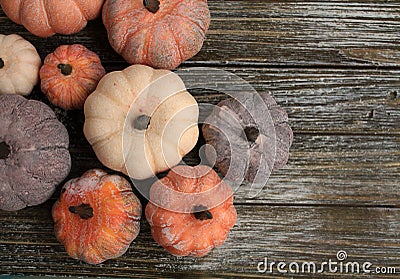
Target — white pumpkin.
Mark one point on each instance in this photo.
(19, 65)
(141, 121)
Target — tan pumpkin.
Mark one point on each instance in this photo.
(46, 18)
(141, 121)
(158, 33)
(19, 65)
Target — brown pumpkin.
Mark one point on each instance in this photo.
(46, 18)
(34, 156)
(244, 147)
(190, 211)
(69, 75)
(158, 33)
(97, 216)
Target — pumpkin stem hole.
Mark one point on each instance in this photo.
(142, 122)
(84, 211)
(66, 69)
(152, 5)
(251, 133)
(5, 150)
(201, 213)
(1, 63)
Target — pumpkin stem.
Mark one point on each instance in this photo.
(84, 211)
(152, 5)
(142, 122)
(201, 213)
(1, 63)
(251, 133)
(5, 150)
(66, 69)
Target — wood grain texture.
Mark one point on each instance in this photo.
(335, 67)
(318, 101)
(290, 233)
(322, 169)
(264, 32)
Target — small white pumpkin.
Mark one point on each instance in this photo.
(19, 65)
(141, 121)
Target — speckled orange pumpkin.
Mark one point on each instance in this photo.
(158, 33)
(97, 216)
(69, 75)
(190, 211)
(45, 18)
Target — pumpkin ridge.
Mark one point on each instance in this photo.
(127, 30)
(87, 78)
(151, 161)
(147, 42)
(12, 84)
(26, 50)
(116, 101)
(13, 189)
(24, 74)
(46, 15)
(105, 137)
(19, 17)
(203, 30)
(178, 45)
(129, 37)
(176, 238)
(131, 85)
(80, 95)
(85, 15)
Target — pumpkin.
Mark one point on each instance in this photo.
(190, 211)
(141, 121)
(46, 18)
(34, 155)
(236, 140)
(97, 216)
(19, 65)
(158, 33)
(69, 75)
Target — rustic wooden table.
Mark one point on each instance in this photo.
(335, 67)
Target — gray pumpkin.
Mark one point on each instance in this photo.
(34, 156)
(246, 139)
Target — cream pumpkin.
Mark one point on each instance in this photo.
(19, 65)
(141, 121)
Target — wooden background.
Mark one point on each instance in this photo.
(335, 67)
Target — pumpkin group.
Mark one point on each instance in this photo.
(19, 65)
(69, 75)
(46, 18)
(248, 139)
(141, 121)
(190, 211)
(97, 216)
(158, 33)
(34, 156)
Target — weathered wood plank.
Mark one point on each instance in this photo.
(322, 169)
(289, 234)
(336, 33)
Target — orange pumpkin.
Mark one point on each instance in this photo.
(46, 18)
(190, 211)
(97, 216)
(158, 33)
(69, 75)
